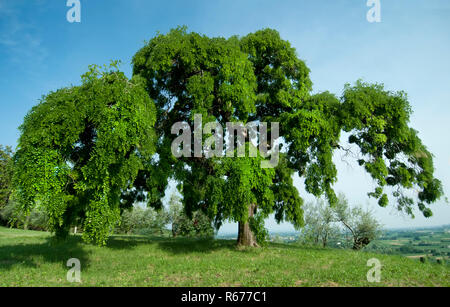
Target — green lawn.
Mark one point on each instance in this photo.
(29, 258)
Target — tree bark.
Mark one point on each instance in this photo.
(174, 233)
(325, 239)
(359, 243)
(246, 237)
(27, 221)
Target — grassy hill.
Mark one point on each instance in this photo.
(29, 258)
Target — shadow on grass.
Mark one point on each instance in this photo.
(192, 245)
(118, 242)
(50, 251)
(179, 245)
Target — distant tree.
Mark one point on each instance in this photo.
(6, 173)
(277, 239)
(361, 223)
(175, 210)
(320, 223)
(139, 220)
(12, 216)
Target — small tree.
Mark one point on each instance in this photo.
(322, 220)
(361, 224)
(138, 220)
(320, 223)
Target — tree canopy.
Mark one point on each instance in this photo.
(81, 147)
(260, 78)
(86, 151)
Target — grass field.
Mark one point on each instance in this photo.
(29, 258)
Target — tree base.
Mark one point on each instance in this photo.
(246, 237)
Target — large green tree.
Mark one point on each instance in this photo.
(260, 78)
(81, 149)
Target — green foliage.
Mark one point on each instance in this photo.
(320, 224)
(239, 183)
(199, 225)
(81, 147)
(393, 153)
(6, 174)
(261, 233)
(260, 77)
(324, 223)
(86, 152)
(138, 220)
(37, 219)
(225, 80)
(362, 225)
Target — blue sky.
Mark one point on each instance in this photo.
(408, 50)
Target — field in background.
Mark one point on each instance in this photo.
(29, 258)
(432, 243)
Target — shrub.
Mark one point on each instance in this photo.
(138, 220)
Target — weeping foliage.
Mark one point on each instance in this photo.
(237, 184)
(260, 78)
(81, 147)
(86, 152)
(392, 152)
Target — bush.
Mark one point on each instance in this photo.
(200, 225)
(197, 226)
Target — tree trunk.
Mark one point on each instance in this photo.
(325, 241)
(359, 243)
(174, 233)
(27, 221)
(246, 236)
(356, 244)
